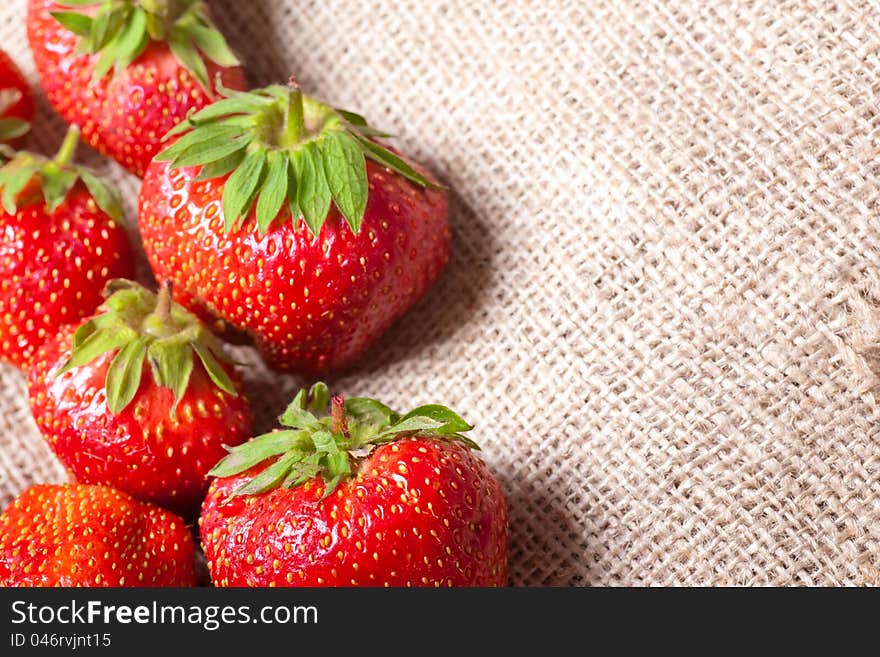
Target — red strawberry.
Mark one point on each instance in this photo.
(364, 497)
(76, 535)
(59, 245)
(314, 282)
(16, 101)
(165, 55)
(152, 429)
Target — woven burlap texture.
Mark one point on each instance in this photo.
(661, 309)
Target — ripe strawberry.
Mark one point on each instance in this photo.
(16, 101)
(59, 245)
(241, 220)
(165, 55)
(153, 431)
(364, 497)
(76, 535)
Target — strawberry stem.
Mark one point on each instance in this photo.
(168, 11)
(337, 414)
(156, 323)
(294, 121)
(163, 305)
(162, 15)
(68, 147)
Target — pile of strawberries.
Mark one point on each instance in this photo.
(266, 215)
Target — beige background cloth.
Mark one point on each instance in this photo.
(660, 310)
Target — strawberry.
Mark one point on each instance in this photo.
(60, 242)
(166, 57)
(283, 217)
(77, 535)
(138, 398)
(364, 497)
(16, 101)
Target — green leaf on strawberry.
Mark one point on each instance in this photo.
(327, 444)
(54, 179)
(145, 326)
(279, 144)
(12, 128)
(120, 30)
(16, 105)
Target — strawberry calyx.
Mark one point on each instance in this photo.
(143, 325)
(28, 176)
(283, 149)
(11, 127)
(329, 445)
(120, 30)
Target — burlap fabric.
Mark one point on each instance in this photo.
(661, 308)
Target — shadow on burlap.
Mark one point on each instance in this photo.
(660, 308)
